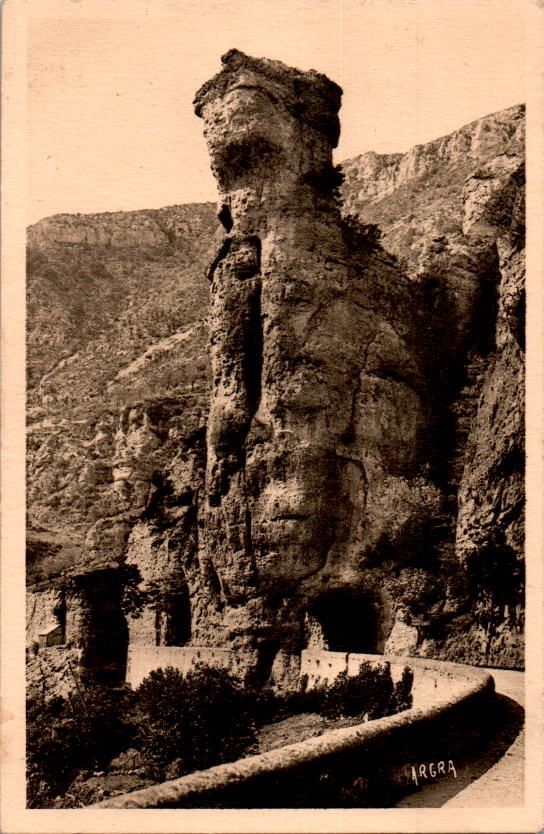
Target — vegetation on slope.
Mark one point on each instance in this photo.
(175, 724)
(94, 309)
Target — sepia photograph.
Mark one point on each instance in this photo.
(272, 426)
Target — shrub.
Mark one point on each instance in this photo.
(370, 692)
(183, 723)
(402, 695)
(65, 736)
(358, 235)
(198, 720)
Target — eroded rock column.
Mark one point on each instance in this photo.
(317, 408)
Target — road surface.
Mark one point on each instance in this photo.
(495, 776)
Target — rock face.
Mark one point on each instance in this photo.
(490, 522)
(349, 473)
(373, 175)
(453, 213)
(93, 632)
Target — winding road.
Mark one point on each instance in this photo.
(494, 776)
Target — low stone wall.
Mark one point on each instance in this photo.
(141, 660)
(431, 678)
(360, 766)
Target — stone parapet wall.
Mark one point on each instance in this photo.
(432, 678)
(340, 767)
(322, 666)
(144, 659)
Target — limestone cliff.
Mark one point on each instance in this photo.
(116, 320)
(359, 484)
(490, 521)
(419, 194)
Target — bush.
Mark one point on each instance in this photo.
(65, 736)
(370, 692)
(183, 723)
(193, 721)
(358, 235)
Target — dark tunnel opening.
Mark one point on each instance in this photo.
(350, 621)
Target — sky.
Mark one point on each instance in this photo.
(110, 122)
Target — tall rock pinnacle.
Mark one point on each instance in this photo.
(317, 409)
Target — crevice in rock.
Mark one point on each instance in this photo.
(348, 436)
(482, 335)
(222, 252)
(225, 217)
(253, 354)
(249, 540)
(178, 623)
(266, 653)
(214, 584)
(60, 611)
(456, 373)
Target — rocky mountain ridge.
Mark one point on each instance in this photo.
(417, 195)
(373, 176)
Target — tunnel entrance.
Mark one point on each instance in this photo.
(350, 621)
(178, 616)
(105, 630)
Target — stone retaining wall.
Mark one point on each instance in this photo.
(360, 766)
(142, 659)
(431, 678)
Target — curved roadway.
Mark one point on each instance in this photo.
(494, 776)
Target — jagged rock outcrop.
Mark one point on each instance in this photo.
(465, 244)
(53, 672)
(87, 611)
(134, 230)
(374, 175)
(418, 195)
(116, 322)
(163, 548)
